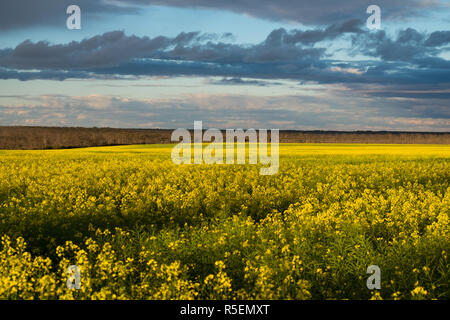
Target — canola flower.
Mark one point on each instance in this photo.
(140, 227)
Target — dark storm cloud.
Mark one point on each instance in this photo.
(317, 12)
(438, 38)
(25, 13)
(410, 57)
(312, 36)
(409, 46)
(115, 47)
(107, 49)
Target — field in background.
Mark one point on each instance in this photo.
(140, 227)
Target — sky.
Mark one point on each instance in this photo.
(305, 65)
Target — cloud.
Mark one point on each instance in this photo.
(315, 35)
(397, 81)
(438, 38)
(60, 75)
(335, 110)
(409, 45)
(408, 58)
(317, 12)
(107, 49)
(239, 81)
(114, 48)
(291, 50)
(24, 13)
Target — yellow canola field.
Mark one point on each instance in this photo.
(140, 227)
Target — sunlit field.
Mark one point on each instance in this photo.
(140, 227)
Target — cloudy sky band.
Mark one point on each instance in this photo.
(317, 67)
